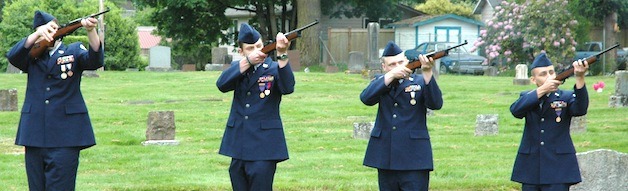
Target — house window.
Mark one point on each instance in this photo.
(382, 22)
(447, 34)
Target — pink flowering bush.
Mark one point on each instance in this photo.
(541, 25)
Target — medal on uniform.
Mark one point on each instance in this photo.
(412, 101)
(262, 86)
(70, 73)
(268, 85)
(63, 68)
(558, 112)
(64, 76)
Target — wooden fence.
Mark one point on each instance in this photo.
(341, 41)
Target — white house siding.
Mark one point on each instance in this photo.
(487, 13)
(468, 31)
(405, 38)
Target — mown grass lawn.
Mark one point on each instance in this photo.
(323, 154)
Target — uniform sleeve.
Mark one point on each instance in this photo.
(18, 55)
(286, 80)
(373, 92)
(527, 101)
(579, 103)
(433, 96)
(229, 78)
(90, 59)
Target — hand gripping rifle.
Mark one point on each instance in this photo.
(40, 46)
(290, 36)
(416, 63)
(590, 60)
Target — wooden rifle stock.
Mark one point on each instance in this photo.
(290, 36)
(416, 63)
(42, 45)
(590, 60)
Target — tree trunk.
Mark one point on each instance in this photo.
(262, 20)
(309, 44)
(272, 21)
(610, 40)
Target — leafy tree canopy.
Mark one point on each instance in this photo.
(440, 7)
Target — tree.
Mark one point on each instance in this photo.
(122, 45)
(610, 14)
(308, 45)
(441, 7)
(518, 31)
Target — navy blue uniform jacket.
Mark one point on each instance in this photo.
(254, 129)
(54, 113)
(399, 140)
(546, 154)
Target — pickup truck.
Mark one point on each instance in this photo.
(590, 48)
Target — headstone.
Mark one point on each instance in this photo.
(620, 98)
(578, 124)
(188, 67)
(90, 74)
(356, 62)
(160, 128)
(295, 60)
(521, 75)
(159, 59)
(13, 70)
(218, 55)
(215, 67)
(490, 71)
(602, 170)
(8, 100)
(486, 124)
(373, 54)
(362, 130)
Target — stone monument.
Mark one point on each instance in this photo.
(356, 62)
(159, 59)
(8, 100)
(13, 70)
(620, 98)
(486, 124)
(362, 130)
(160, 128)
(373, 47)
(521, 75)
(602, 170)
(578, 124)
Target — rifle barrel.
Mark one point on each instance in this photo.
(590, 60)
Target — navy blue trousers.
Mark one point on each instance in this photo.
(395, 180)
(51, 169)
(252, 175)
(545, 187)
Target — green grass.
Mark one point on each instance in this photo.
(323, 154)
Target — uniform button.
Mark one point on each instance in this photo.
(46, 101)
(542, 131)
(542, 143)
(48, 89)
(542, 119)
(247, 105)
(394, 115)
(396, 104)
(248, 93)
(246, 117)
(394, 127)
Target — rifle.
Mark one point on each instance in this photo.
(41, 45)
(416, 63)
(590, 60)
(290, 36)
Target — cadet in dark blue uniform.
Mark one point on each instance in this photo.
(400, 146)
(546, 160)
(54, 125)
(254, 136)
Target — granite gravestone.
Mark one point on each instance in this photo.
(159, 59)
(362, 130)
(356, 62)
(521, 75)
(620, 98)
(578, 124)
(160, 128)
(8, 100)
(486, 124)
(602, 170)
(13, 70)
(373, 53)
